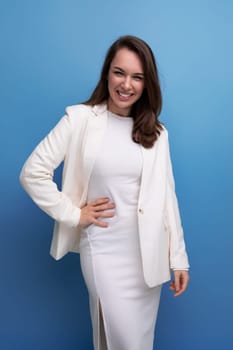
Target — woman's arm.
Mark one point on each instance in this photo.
(178, 256)
(36, 176)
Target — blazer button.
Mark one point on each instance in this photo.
(141, 211)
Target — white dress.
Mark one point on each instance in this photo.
(110, 257)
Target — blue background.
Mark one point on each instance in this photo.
(51, 55)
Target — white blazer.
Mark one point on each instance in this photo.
(76, 140)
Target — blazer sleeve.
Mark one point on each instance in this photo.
(36, 176)
(177, 249)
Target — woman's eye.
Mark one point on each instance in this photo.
(118, 73)
(138, 78)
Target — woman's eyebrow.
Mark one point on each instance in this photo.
(122, 70)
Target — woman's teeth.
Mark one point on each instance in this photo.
(123, 95)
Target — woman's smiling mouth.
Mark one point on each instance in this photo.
(124, 95)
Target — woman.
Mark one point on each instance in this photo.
(117, 206)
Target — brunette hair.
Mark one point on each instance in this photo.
(146, 109)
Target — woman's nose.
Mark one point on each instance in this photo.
(127, 82)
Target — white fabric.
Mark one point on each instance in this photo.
(110, 257)
(76, 140)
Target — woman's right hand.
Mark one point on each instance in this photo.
(91, 212)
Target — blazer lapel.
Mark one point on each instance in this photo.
(154, 179)
(96, 127)
(147, 166)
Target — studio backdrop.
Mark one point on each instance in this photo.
(51, 56)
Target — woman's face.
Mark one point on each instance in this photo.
(125, 81)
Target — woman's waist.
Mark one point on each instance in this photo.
(122, 193)
(123, 222)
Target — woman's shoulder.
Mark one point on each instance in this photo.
(163, 131)
(85, 110)
(78, 114)
(78, 110)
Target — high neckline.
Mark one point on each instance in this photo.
(120, 117)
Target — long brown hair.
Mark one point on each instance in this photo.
(146, 109)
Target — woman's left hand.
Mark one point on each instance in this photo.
(180, 282)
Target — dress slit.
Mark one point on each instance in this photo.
(102, 336)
